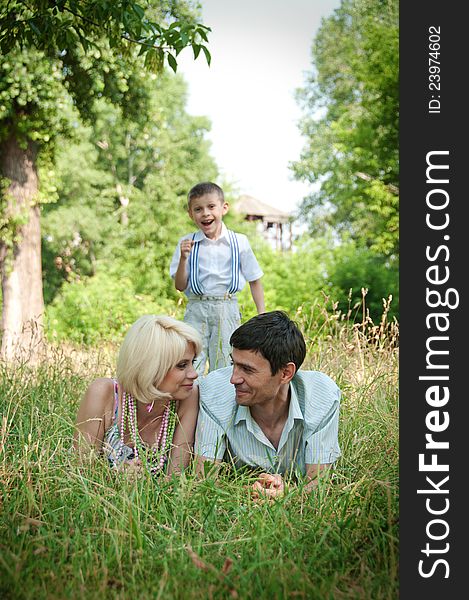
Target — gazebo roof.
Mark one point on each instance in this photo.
(248, 205)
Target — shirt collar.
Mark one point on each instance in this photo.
(242, 414)
(295, 410)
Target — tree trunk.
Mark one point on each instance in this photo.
(20, 254)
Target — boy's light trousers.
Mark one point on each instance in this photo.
(215, 318)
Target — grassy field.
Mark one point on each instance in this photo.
(81, 531)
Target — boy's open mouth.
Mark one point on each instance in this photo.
(207, 223)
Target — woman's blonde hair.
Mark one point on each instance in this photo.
(153, 346)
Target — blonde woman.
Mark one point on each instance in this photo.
(147, 415)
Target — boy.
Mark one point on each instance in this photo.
(211, 266)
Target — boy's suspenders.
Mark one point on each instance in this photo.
(194, 268)
(194, 265)
(235, 263)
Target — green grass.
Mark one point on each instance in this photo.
(82, 531)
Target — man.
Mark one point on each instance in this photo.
(264, 411)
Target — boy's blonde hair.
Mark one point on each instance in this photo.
(153, 346)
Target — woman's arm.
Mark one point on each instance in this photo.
(94, 415)
(183, 440)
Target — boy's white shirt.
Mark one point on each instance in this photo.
(215, 262)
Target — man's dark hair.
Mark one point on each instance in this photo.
(205, 187)
(275, 336)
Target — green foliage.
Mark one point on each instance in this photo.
(319, 269)
(99, 308)
(122, 206)
(34, 104)
(116, 162)
(75, 228)
(353, 268)
(56, 26)
(351, 104)
(122, 190)
(35, 108)
(61, 58)
(291, 279)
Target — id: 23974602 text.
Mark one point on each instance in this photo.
(434, 74)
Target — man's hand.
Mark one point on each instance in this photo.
(268, 486)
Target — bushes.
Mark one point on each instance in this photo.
(320, 268)
(99, 308)
(319, 272)
(353, 268)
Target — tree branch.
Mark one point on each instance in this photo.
(390, 186)
(123, 36)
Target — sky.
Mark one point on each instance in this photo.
(261, 52)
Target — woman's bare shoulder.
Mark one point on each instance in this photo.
(100, 393)
(95, 412)
(102, 384)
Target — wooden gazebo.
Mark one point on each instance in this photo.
(274, 224)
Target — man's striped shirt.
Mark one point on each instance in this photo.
(226, 431)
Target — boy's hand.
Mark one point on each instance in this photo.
(186, 246)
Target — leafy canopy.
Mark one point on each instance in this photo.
(351, 104)
(159, 29)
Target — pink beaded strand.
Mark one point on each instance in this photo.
(162, 437)
(123, 416)
(133, 423)
(129, 417)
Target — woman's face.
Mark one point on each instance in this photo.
(179, 380)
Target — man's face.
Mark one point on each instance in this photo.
(253, 379)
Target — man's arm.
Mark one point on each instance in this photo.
(206, 466)
(210, 443)
(313, 473)
(257, 293)
(321, 441)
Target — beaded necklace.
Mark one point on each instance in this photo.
(160, 450)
